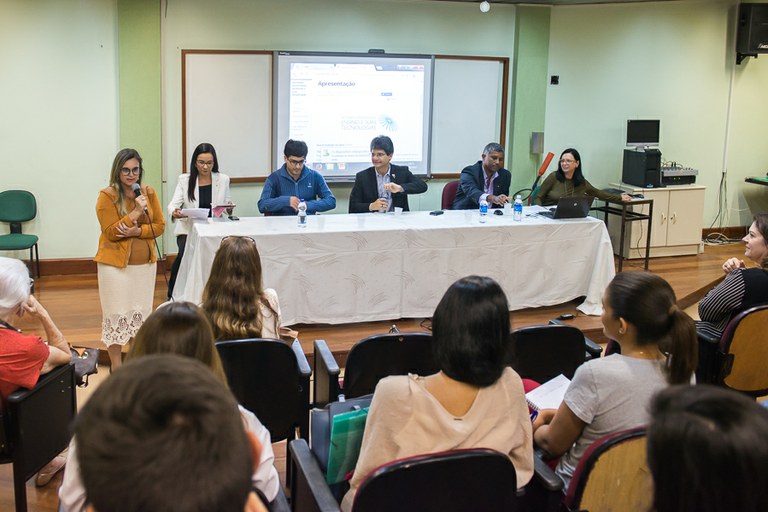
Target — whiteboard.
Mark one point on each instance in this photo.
(466, 111)
(227, 101)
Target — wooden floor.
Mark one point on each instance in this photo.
(73, 302)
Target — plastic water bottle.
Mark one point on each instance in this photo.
(302, 215)
(517, 209)
(483, 210)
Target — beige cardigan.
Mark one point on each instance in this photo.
(406, 420)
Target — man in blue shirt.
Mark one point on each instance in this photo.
(294, 181)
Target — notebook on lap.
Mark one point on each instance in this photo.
(570, 208)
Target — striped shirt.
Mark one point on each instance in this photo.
(740, 290)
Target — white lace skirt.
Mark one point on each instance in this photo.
(126, 296)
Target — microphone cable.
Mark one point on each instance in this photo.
(137, 192)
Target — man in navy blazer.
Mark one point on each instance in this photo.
(384, 186)
(487, 179)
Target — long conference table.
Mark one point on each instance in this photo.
(344, 268)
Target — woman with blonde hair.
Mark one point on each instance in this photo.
(130, 217)
(180, 328)
(234, 298)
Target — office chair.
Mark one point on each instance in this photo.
(34, 427)
(271, 379)
(449, 195)
(17, 206)
(542, 352)
(737, 360)
(370, 360)
(612, 475)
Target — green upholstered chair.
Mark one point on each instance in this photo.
(17, 206)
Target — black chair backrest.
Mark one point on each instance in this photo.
(460, 480)
(375, 357)
(542, 352)
(36, 426)
(267, 379)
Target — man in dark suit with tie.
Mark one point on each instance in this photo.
(384, 186)
(487, 179)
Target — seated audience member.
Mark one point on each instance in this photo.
(743, 287)
(708, 451)
(234, 299)
(569, 181)
(24, 357)
(294, 181)
(180, 328)
(475, 401)
(487, 179)
(163, 433)
(383, 186)
(658, 347)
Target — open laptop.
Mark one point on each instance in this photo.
(570, 208)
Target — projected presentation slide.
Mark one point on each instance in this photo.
(337, 104)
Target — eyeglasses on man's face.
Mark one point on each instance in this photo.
(125, 171)
(296, 162)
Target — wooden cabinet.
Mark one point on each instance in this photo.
(678, 217)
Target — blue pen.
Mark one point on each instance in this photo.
(534, 415)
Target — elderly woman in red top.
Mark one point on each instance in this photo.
(24, 357)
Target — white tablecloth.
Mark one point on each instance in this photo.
(364, 267)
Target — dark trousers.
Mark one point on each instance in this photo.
(181, 241)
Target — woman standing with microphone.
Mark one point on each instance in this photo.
(131, 217)
(202, 187)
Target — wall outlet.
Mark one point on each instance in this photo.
(701, 247)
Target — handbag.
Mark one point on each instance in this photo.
(85, 364)
(322, 421)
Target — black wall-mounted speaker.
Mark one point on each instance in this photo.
(752, 35)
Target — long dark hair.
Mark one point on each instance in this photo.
(201, 148)
(707, 450)
(470, 330)
(578, 174)
(648, 303)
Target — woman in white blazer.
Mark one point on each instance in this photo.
(202, 187)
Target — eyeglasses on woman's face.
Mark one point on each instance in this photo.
(204, 163)
(125, 171)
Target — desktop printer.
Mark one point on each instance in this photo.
(642, 168)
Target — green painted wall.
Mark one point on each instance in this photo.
(139, 72)
(529, 92)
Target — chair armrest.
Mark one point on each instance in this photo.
(326, 385)
(545, 490)
(309, 491)
(304, 369)
(280, 503)
(592, 348)
(546, 476)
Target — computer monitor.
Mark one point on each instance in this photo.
(642, 132)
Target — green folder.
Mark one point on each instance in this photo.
(346, 437)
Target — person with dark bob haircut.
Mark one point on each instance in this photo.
(609, 394)
(202, 187)
(569, 181)
(163, 433)
(474, 401)
(384, 186)
(294, 182)
(708, 451)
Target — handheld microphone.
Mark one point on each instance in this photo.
(137, 192)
